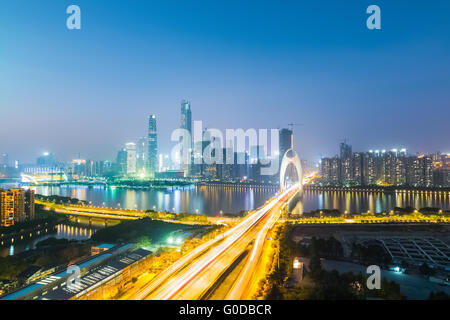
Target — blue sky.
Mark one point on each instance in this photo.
(242, 64)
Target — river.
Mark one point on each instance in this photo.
(63, 231)
(210, 200)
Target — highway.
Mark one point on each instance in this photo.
(248, 279)
(192, 275)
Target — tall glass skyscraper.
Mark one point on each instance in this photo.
(285, 142)
(152, 146)
(186, 116)
(186, 123)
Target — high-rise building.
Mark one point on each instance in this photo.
(186, 116)
(152, 144)
(357, 164)
(141, 154)
(386, 168)
(121, 162)
(29, 205)
(390, 167)
(335, 170)
(368, 169)
(99, 168)
(286, 141)
(441, 177)
(346, 164)
(79, 168)
(256, 155)
(4, 162)
(419, 171)
(345, 150)
(46, 160)
(12, 206)
(325, 165)
(331, 170)
(186, 148)
(426, 168)
(346, 171)
(400, 171)
(131, 158)
(441, 170)
(413, 174)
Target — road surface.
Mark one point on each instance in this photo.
(192, 275)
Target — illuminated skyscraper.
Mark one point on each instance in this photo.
(121, 162)
(131, 158)
(12, 206)
(141, 154)
(186, 116)
(286, 142)
(29, 204)
(186, 123)
(152, 158)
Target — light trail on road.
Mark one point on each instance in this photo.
(190, 277)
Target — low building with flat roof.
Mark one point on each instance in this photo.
(53, 281)
(103, 281)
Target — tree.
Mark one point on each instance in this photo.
(274, 293)
(315, 267)
(144, 242)
(440, 295)
(426, 270)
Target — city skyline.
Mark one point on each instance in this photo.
(9, 158)
(226, 151)
(149, 158)
(306, 63)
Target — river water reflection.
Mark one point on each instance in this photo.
(63, 231)
(208, 200)
(375, 202)
(211, 200)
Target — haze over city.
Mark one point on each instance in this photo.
(225, 156)
(241, 65)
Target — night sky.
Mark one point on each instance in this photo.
(241, 64)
